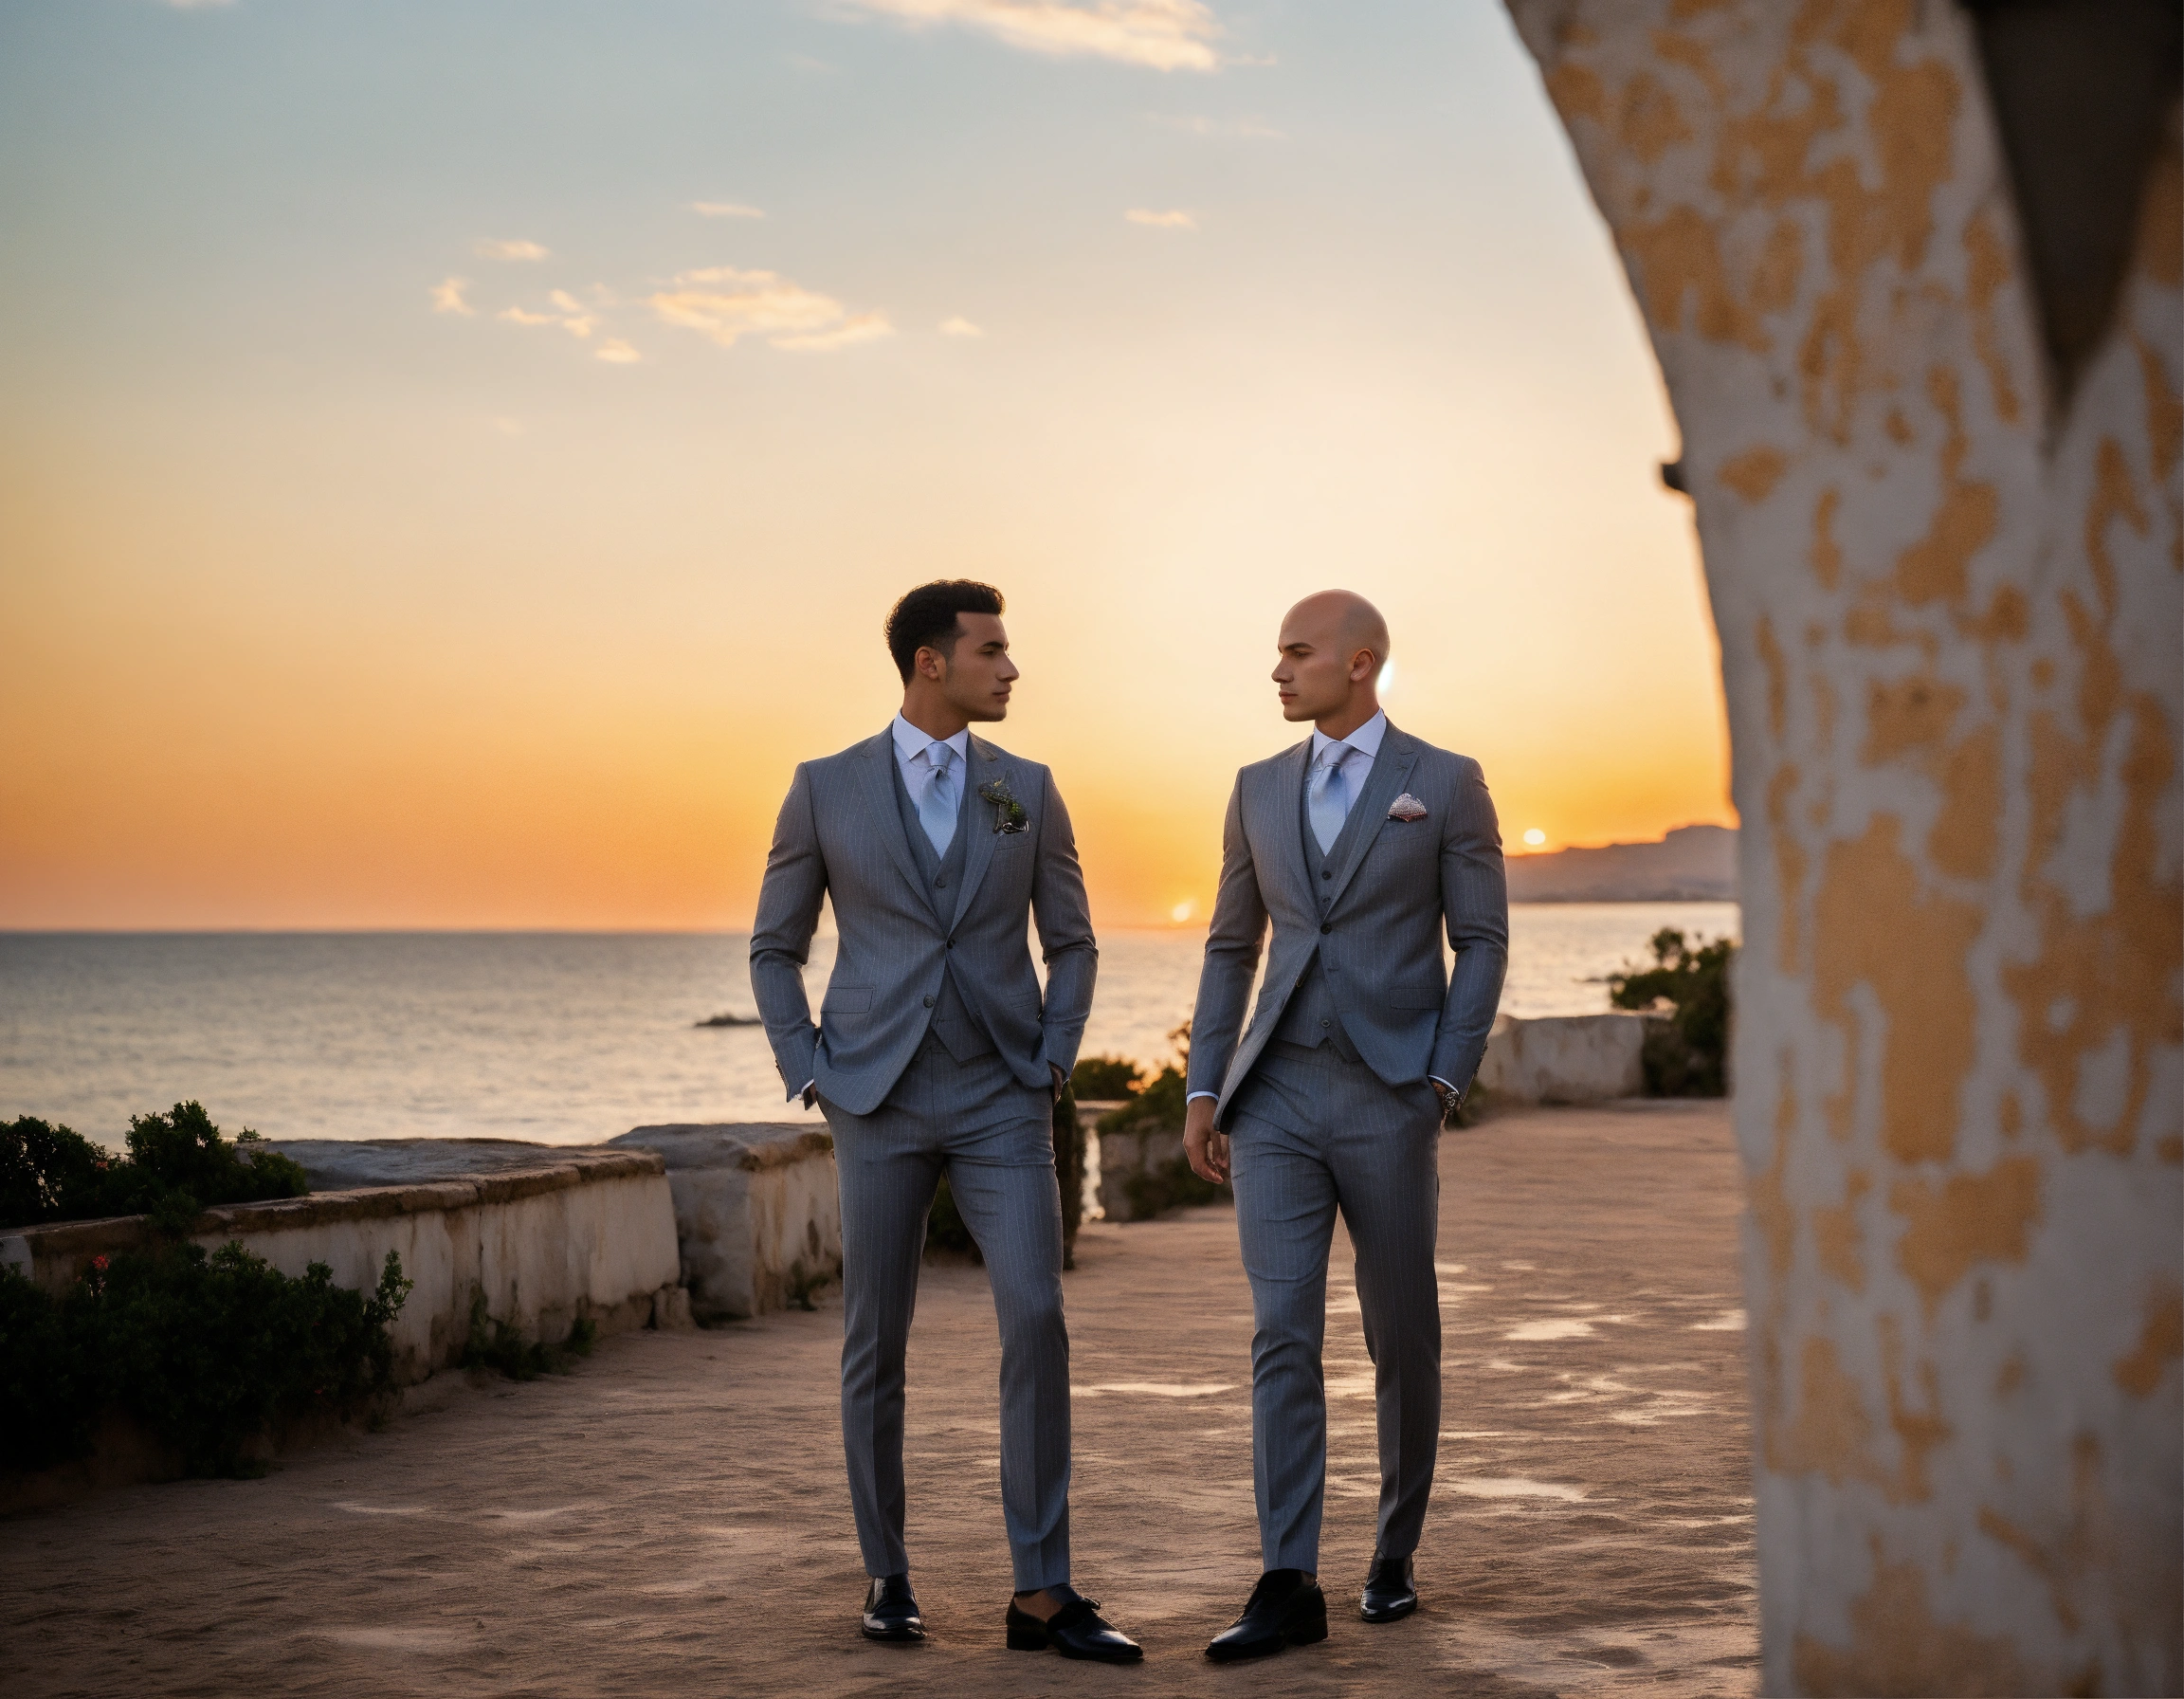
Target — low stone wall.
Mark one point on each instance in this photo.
(1131, 1165)
(551, 1237)
(1555, 1059)
(1564, 1059)
(757, 1212)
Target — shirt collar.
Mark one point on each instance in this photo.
(910, 741)
(1366, 738)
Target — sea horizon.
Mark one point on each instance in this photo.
(559, 1035)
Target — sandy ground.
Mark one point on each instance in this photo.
(672, 1517)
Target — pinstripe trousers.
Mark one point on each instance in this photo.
(993, 1137)
(1309, 1134)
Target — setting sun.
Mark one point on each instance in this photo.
(1533, 838)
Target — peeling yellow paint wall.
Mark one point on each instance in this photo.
(1951, 620)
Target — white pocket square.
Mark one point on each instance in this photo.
(1406, 807)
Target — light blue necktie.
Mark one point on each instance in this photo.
(1330, 795)
(937, 806)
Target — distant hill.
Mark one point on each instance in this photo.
(1693, 864)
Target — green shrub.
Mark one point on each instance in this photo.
(1107, 1079)
(1160, 1107)
(209, 1351)
(497, 1346)
(48, 1393)
(1173, 1185)
(49, 1174)
(177, 1165)
(182, 1151)
(946, 1231)
(1689, 1055)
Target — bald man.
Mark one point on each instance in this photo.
(1358, 844)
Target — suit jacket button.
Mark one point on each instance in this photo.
(928, 1002)
(1326, 928)
(950, 943)
(942, 881)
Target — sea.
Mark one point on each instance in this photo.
(558, 1037)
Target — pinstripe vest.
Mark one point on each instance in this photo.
(954, 1023)
(1311, 1017)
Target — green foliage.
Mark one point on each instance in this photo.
(49, 1395)
(178, 1164)
(182, 1151)
(1159, 1108)
(1172, 1185)
(48, 1173)
(804, 1284)
(1069, 1171)
(946, 1231)
(209, 1351)
(1107, 1079)
(1687, 1057)
(497, 1346)
(1159, 1105)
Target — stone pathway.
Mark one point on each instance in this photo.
(672, 1517)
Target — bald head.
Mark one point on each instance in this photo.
(1343, 618)
(1333, 644)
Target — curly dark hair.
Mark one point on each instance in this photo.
(926, 618)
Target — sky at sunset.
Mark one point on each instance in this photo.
(456, 455)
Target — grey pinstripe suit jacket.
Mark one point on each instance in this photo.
(1400, 882)
(840, 833)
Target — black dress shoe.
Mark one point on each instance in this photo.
(1284, 1610)
(1389, 1591)
(1077, 1630)
(891, 1611)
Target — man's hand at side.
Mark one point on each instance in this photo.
(1206, 1149)
(1061, 1080)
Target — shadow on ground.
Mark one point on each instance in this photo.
(673, 1517)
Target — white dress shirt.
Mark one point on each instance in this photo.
(912, 748)
(1359, 767)
(1356, 771)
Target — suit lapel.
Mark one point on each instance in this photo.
(886, 813)
(986, 764)
(1291, 777)
(1391, 769)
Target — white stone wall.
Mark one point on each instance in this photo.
(1564, 1059)
(757, 1212)
(1953, 643)
(544, 1248)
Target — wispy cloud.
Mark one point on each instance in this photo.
(960, 327)
(727, 304)
(491, 249)
(1174, 219)
(448, 297)
(616, 352)
(569, 313)
(725, 210)
(1247, 128)
(865, 327)
(1166, 36)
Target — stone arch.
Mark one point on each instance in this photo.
(1940, 508)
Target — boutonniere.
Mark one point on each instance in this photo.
(1007, 812)
(1406, 807)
